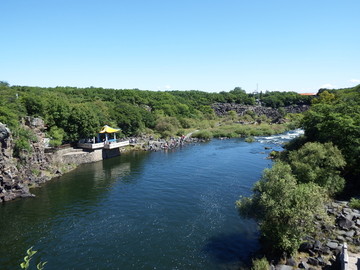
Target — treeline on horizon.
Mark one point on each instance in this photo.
(324, 163)
(72, 113)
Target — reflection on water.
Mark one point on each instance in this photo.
(163, 210)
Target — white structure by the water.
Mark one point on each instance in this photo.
(104, 145)
(107, 143)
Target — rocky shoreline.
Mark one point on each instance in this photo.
(323, 249)
(276, 115)
(39, 165)
(31, 168)
(17, 175)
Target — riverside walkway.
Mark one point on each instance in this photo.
(349, 260)
(354, 261)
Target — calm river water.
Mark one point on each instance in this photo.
(142, 210)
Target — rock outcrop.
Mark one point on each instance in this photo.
(18, 174)
(222, 109)
(40, 164)
(324, 247)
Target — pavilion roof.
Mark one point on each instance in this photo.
(107, 129)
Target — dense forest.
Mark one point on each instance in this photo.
(322, 164)
(72, 113)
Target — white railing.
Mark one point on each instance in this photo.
(91, 145)
(344, 258)
(105, 145)
(112, 145)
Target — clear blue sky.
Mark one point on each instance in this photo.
(286, 45)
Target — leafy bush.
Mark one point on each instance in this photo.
(354, 203)
(8, 117)
(320, 164)
(23, 137)
(21, 144)
(186, 122)
(284, 209)
(337, 123)
(57, 135)
(250, 139)
(260, 264)
(167, 126)
(203, 134)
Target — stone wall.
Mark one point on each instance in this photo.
(222, 109)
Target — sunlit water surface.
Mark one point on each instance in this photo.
(142, 210)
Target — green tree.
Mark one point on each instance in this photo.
(325, 98)
(339, 124)
(320, 164)
(83, 122)
(284, 209)
(56, 136)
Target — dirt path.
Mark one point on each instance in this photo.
(354, 261)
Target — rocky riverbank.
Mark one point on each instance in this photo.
(149, 143)
(39, 164)
(31, 168)
(276, 115)
(322, 249)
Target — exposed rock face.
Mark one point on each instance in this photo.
(327, 243)
(4, 135)
(37, 165)
(17, 175)
(222, 109)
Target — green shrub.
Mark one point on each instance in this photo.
(23, 137)
(8, 117)
(250, 139)
(354, 203)
(284, 209)
(260, 264)
(21, 144)
(274, 154)
(319, 163)
(56, 136)
(203, 134)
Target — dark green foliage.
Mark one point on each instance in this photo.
(34, 105)
(83, 122)
(167, 126)
(354, 203)
(22, 142)
(292, 192)
(280, 99)
(8, 117)
(250, 139)
(260, 264)
(284, 208)
(203, 134)
(56, 136)
(320, 164)
(80, 112)
(337, 120)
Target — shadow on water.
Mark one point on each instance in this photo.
(73, 196)
(231, 248)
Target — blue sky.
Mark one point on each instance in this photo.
(208, 45)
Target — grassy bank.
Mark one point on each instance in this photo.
(235, 130)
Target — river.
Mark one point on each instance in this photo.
(142, 210)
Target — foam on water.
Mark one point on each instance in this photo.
(280, 138)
